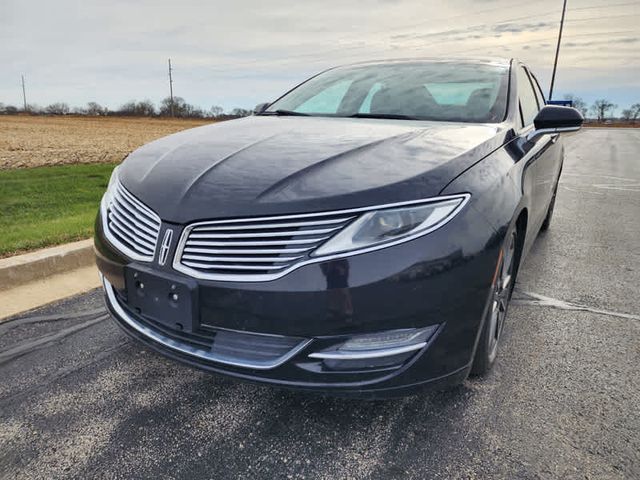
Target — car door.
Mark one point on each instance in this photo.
(540, 157)
(553, 154)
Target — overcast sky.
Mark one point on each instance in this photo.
(237, 53)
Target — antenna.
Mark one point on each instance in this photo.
(171, 87)
(555, 62)
(24, 94)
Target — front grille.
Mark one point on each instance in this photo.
(130, 225)
(254, 249)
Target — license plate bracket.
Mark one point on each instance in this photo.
(163, 298)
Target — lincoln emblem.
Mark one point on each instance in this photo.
(164, 248)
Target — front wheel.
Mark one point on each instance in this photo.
(503, 284)
(547, 220)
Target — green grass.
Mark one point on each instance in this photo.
(49, 205)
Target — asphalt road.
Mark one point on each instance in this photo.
(78, 399)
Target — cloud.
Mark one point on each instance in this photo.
(513, 27)
(241, 53)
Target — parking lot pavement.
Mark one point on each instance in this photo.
(78, 399)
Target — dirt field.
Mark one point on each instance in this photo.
(35, 141)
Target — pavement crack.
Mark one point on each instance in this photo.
(41, 342)
(6, 325)
(535, 299)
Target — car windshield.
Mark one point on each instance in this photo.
(437, 91)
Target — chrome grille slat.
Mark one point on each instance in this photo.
(132, 239)
(346, 214)
(258, 243)
(241, 259)
(129, 225)
(269, 226)
(288, 233)
(249, 251)
(150, 230)
(220, 266)
(119, 217)
(255, 248)
(139, 219)
(141, 207)
(128, 205)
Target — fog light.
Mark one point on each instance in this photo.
(376, 349)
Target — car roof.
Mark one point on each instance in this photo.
(459, 60)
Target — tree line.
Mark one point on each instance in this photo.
(144, 108)
(601, 110)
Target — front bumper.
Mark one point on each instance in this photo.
(432, 280)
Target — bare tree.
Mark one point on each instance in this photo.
(181, 108)
(58, 108)
(178, 106)
(601, 108)
(34, 109)
(578, 104)
(144, 108)
(635, 112)
(216, 111)
(128, 108)
(94, 108)
(240, 112)
(627, 114)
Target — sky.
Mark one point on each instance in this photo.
(242, 52)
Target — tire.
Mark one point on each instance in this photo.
(502, 289)
(547, 220)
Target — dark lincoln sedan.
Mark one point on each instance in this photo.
(361, 235)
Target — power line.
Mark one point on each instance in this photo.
(462, 15)
(343, 49)
(473, 14)
(321, 56)
(538, 39)
(612, 5)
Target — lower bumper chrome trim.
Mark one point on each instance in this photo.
(366, 354)
(186, 348)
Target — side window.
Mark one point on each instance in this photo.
(536, 87)
(328, 100)
(528, 102)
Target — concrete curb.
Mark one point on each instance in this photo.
(21, 269)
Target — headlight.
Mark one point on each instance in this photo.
(111, 187)
(390, 226)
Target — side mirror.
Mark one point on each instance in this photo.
(555, 119)
(261, 107)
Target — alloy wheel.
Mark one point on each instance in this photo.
(501, 295)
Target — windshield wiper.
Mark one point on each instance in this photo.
(389, 116)
(284, 113)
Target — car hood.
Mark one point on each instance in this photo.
(265, 165)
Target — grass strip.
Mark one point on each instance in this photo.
(46, 206)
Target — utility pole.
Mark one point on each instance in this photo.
(555, 62)
(171, 87)
(24, 94)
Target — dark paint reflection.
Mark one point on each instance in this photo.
(340, 304)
